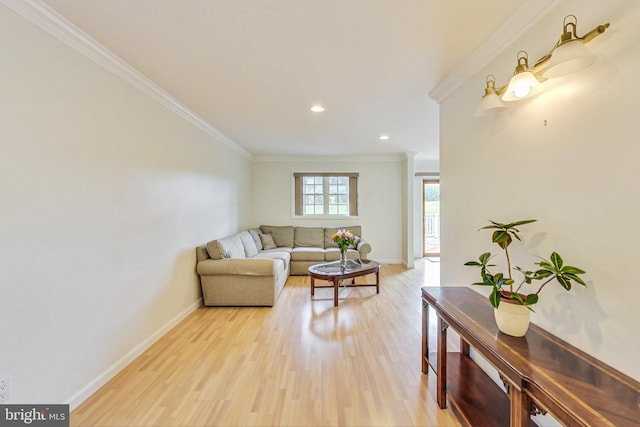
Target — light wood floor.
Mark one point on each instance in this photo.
(300, 363)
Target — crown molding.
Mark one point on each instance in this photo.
(520, 21)
(330, 159)
(55, 24)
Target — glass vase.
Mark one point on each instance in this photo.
(343, 258)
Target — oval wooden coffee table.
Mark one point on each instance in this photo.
(332, 272)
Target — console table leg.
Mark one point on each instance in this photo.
(465, 348)
(425, 337)
(441, 383)
(520, 406)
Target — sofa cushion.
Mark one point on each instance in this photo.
(307, 254)
(231, 247)
(256, 238)
(282, 235)
(330, 231)
(308, 237)
(284, 256)
(213, 250)
(267, 242)
(275, 254)
(250, 249)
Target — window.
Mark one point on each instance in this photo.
(326, 194)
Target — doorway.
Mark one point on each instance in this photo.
(431, 217)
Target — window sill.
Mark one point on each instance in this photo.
(325, 217)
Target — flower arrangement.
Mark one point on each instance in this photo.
(345, 239)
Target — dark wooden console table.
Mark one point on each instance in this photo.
(540, 372)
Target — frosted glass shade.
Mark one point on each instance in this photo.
(490, 104)
(569, 58)
(522, 85)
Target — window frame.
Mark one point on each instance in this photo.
(298, 194)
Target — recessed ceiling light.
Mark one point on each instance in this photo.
(384, 137)
(317, 108)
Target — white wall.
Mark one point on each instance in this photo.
(380, 199)
(568, 158)
(104, 195)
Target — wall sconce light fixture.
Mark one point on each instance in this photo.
(567, 56)
(491, 102)
(570, 54)
(524, 83)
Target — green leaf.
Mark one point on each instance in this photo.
(489, 227)
(523, 222)
(517, 297)
(572, 270)
(484, 258)
(502, 238)
(531, 299)
(487, 277)
(499, 236)
(542, 274)
(494, 298)
(576, 278)
(482, 284)
(556, 259)
(564, 282)
(472, 264)
(546, 265)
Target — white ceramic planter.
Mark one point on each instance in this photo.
(512, 319)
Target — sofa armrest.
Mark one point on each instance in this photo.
(239, 266)
(364, 248)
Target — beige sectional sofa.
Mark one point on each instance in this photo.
(250, 268)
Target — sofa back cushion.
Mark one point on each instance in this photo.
(255, 234)
(308, 237)
(330, 231)
(250, 248)
(231, 247)
(282, 235)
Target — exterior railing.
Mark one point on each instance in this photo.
(432, 225)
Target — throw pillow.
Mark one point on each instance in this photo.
(267, 241)
(214, 251)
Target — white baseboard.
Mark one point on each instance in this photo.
(84, 393)
(391, 261)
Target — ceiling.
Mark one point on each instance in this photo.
(252, 68)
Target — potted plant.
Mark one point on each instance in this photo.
(512, 317)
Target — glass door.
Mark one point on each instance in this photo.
(431, 217)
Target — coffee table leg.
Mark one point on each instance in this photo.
(336, 285)
(378, 281)
(313, 285)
